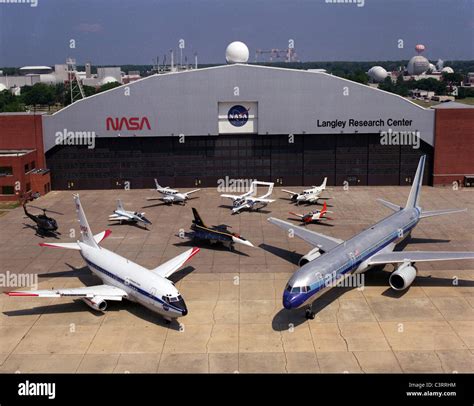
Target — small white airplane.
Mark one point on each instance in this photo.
(314, 216)
(122, 278)
(308, 195)
(171, 196)
(248, 200)
(120, 214)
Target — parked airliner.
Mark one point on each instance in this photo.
(122, 278)
(333, 259)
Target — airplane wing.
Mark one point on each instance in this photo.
(296, 214)
(418, 256)
(322, 241)
(105, 292)
(117, 217)
(259, 199)
(233, 197)
(192, 191)
(289, 192)
(171, 266)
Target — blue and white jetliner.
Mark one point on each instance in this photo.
(122, 278)
(333, 259)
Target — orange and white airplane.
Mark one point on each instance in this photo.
(314, 216)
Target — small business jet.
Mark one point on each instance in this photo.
(170, 196)
(333, 259)
(308, 195)
(122, 278)
(314, 216)
(248, 200)
(120, 214)
(215, 234)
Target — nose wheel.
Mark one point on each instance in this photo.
(309, 314)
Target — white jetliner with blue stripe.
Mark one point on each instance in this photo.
(373, 246)
(123, 279)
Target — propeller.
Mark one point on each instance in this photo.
(45, 210)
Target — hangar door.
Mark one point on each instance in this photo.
(238, 117)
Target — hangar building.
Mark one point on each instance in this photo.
(292, 127)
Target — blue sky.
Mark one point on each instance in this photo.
(119, 32)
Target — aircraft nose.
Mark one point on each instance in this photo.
(182, 306)
(287, 299)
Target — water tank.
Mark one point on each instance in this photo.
(418, 65)
(377, 74)
(237, 52)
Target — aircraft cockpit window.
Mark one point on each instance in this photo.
(288, 288)
(296, 289)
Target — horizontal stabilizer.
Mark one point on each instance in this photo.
(66, 245)
(433, 213)
(391, 206)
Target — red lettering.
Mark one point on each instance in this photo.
(131, 124)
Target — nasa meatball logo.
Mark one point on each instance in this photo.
(238, 115)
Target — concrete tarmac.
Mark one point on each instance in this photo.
(236, 322)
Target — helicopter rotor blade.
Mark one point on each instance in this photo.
(45, 210)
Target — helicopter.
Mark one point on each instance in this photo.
(44, 225)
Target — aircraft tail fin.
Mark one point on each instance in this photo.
(119, 205)
(323, 185)
(324, 209)
(415, 191)
(86, 234)
(157, 184)
(197, 218)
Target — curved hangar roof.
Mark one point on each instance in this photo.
(281, 101)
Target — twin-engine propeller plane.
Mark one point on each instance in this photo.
(308, 195)
(373, 246)
(215, 234)
(120, 214)
(170, 196)
(314, 216)
(122, 278)
(249, 200)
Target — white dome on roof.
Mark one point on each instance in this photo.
(377, 73)
(447, 69)
(237, 52)
(108, 79)
(2, 87)
(418, 65)
(432, 68)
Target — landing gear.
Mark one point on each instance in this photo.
(309, 314)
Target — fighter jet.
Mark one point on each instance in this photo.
(215, 234)
(170, 196)
(248, 201)
(308, 195)
(120, 214)
(314, 216)
(122, 278)
(332, 260)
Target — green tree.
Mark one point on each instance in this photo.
(38, 94)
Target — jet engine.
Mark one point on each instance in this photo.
(310, 256)
(403, 277)
(95, 303)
